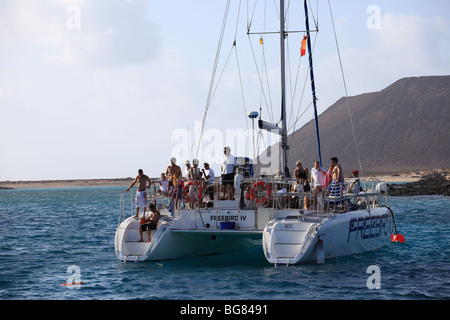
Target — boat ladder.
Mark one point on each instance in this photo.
(131, 258)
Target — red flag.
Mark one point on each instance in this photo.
(303, 49)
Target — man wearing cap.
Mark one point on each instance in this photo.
(173, 172)
(354, 183)
(187, 169)
(195, 173)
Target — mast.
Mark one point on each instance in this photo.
(313, 87)
(282, 131)
(284, 146)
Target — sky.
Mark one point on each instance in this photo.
(94, 89)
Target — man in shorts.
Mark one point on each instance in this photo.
(173, 172)
(150, 223)
(141, 180)
(318, 175)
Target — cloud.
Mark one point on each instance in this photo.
(403, 46)
(410, 43)
(100, 33)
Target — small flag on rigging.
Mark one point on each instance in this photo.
(303, 49)
(261, 41)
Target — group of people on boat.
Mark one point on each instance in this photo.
(194, 186)
(190, 185)
(329, 181)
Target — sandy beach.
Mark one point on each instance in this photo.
(125, 182)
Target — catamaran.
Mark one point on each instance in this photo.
(196, 221)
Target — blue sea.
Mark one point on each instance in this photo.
(46, 234)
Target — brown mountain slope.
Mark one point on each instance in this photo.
(404, 127)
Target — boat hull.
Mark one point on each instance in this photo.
(320, 238)
(192, 233)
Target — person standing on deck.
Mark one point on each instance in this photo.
(173, 172)
(318, 175)
(227, 170)
(337, 174)
(141, 194)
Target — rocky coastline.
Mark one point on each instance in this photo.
(428, 182)
(434, 183)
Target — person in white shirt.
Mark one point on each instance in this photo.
(208, 173)
(227, 170)
(208, 188)
(164, 185)
(187, 169)
(354, 183)
(318, 180)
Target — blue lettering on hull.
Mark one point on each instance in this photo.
(368, 227)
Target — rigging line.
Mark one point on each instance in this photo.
(316, 22)
(307, 136)
(238, 65)
(200, 133)
(211, 85)
(260, 79)
(266, 73)
(249, 22)
(345, 87)
(303, 92)
(295, 123)
(242, 87)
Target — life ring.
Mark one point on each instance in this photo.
(196, 185)
(253, 191)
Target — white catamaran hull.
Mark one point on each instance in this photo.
(193, 233)
(315, 238)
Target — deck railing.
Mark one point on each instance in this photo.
(269, 193)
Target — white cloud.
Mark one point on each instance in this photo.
(103, 99)
(411, 43)
(404, 46)
(106, 33)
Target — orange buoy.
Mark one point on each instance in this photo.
(72, 283)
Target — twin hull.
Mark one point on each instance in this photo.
(316, 238)
(286, 236)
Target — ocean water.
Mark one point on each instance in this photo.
(45, 232)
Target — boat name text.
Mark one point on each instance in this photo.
(368, 227)
(228, 218)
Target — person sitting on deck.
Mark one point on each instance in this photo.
(164, 185)
(354, 183)
(149, 223)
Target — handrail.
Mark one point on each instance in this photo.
(373, 194)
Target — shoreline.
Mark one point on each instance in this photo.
(75, 183)
(411, 176)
